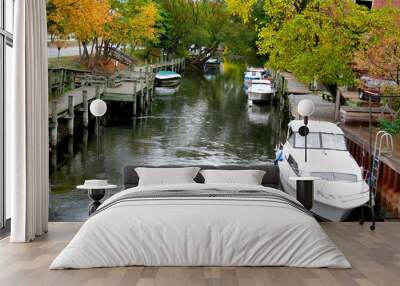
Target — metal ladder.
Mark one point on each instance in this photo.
(383, 145)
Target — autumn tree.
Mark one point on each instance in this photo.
(380, 53)
(101, 24)
(133, 24)
(85, 19)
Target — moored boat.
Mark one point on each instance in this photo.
(260, 91)
(211, 64)
(340, 186)
(249, 76)
(167, 78)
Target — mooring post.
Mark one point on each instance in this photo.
(152, 87)
(53, 160)
(97, 92)
(54, 124)
(134, 105)
(142, 102)
(71, 146)
(140, 95)
(85, 108)
(72, 82)
(61, 87)
(70, 115)
(147, 85)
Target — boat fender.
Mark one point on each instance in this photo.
(278, 156)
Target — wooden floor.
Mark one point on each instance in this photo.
(375, 257)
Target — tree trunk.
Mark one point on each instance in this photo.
(199, 60)
(85, 55)
(80, 49)
(337, 104)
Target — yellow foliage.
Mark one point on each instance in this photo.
(241, 8)
(83, 18)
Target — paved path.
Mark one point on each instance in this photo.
(65, 52)
(324, 110)
(294, 85)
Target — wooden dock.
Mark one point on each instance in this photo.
(360, 114)
(134, 86)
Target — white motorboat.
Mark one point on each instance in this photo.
(256, 69)
(211, 63)
(254, 73)
(340, 186)
(249, 76)
(260, 90)
(167, 78)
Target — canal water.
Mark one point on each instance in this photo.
(206, 121)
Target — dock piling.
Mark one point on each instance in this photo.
(97, 92)
(134, 105)
(54, 124)
(85, 108)
(71, 115)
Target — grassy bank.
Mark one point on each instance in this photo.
(71, 62)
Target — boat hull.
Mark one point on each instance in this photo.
(168, 82)
(211, 66)
(260, 96)
(321, 210)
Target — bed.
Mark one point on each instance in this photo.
(201, 224)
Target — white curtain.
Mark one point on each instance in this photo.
(27, 124)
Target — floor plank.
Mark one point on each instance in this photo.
(375, 257)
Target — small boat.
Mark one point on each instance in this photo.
(255, 73)
(211, 64)
(167, 78)
(259, 91)
(249, 76)
(340, 186)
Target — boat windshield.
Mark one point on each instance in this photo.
(319, 140)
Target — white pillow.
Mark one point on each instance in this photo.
(166, 176)
(247, 177)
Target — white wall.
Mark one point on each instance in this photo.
(9, 65)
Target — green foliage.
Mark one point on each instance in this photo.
(164, 26)
(314, 41)
(392, 127)
(204, 24)
(392, 90)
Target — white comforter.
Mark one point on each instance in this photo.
(192, 231)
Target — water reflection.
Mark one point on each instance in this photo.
(204, 122)
(161, 90)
